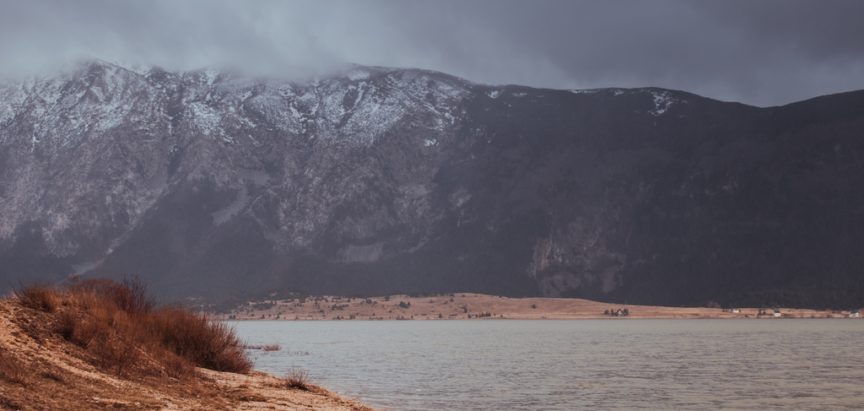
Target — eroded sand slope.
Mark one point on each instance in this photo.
(41, 371)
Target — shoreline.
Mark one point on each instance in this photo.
(220, 318)
(470, 306)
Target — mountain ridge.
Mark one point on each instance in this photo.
(376, 181)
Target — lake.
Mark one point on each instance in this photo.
(571, 365)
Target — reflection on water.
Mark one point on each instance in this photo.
(567, 365)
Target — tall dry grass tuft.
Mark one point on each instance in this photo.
(118, 324)
(110, 334)
(38, 297)
(297, 379)
(129, 296)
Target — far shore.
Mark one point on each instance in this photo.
(469, 306)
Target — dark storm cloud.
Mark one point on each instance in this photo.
(760, 52)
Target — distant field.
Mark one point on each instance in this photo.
(462, 306)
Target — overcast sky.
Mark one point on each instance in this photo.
(762, 52)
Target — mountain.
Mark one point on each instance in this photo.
(376, 180)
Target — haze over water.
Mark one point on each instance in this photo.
(567, 365)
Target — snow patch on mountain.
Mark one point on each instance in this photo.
(11, 98)
(663, 100)
(207, 119)
(586, 91)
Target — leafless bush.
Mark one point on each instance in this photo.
(38, 297)
(297, 379)
(205, 343)
(118, 324)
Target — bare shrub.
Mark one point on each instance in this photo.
(38, 297)
(119, 326)
(65, 325)
(115, 341)
(109, 334)
(176, 366)
(297, 379)
(205, 343)
(130, 295)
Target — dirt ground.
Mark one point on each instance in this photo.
(479, 306)
(41, 371)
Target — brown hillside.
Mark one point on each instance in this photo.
(101, 345)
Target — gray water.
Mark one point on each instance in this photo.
(571, 365)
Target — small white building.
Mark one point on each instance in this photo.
(855, 314)
(777, 313)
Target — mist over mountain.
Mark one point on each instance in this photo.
(373, 181)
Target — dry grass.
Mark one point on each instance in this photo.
(101, 349)
(297, 379)
(205, 343)
(11, 369)
(121, 328)
(38, 297)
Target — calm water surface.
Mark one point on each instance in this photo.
(570, 365)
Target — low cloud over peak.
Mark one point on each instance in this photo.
(764, 53)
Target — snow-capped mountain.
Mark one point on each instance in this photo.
(377, 180)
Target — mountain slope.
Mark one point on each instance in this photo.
(377, 180)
